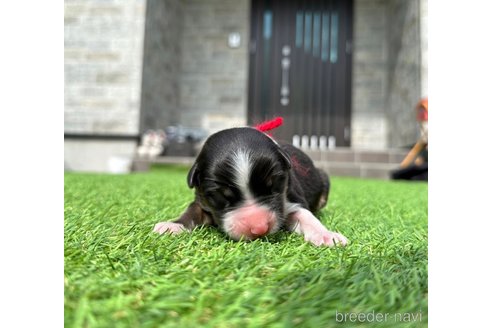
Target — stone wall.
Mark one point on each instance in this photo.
(213, 84)
(370, 78)
(189, 75)
(424, 14)
(389, 71)
(103, 63)
(161, 64)
(404, 71)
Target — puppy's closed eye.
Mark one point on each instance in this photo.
(227, 192)
(222, 195)
(270, 184)
(217, 199)
(279, 185)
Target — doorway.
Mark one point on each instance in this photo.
(300, 69)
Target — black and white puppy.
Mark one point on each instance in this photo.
(249, 186)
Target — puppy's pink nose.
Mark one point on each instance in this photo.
(259, 230)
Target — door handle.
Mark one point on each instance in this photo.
(284, 88)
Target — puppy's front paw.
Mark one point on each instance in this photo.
(325, 238)
(171, 227)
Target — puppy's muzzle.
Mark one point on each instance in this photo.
(249, 222)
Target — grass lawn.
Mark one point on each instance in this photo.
(120, 274)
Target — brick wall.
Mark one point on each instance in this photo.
(103, 62)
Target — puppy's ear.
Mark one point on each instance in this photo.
(193, 176)
(285, 158)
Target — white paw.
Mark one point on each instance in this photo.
(171, 227)
(303, 222)
(325, 238)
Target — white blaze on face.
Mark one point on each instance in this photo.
(241, 163)
(250, 220)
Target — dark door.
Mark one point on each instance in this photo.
(300, 68)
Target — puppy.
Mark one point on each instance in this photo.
(249, 186)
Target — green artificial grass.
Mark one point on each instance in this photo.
(120, 274)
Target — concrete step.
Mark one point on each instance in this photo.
(348, 155)
(337, 162)
(360, 170)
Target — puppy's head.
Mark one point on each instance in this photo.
(241, 178)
